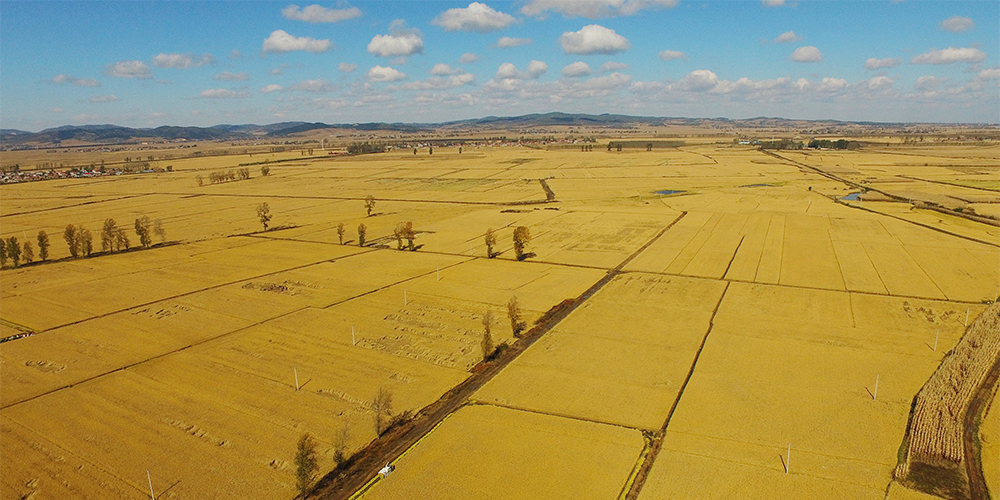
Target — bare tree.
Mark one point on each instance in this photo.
(264, 214)
(200, 180)
(397, 232)
(14, 250)
(487, 344)
(159, 231)
(305, 464)
(85, 241)
(142, 230)
(409, 235)
(361, 234)
(382, 406)
(108, 235)
(340, 232)
(514, 314)
(340, 444)
(28, 251)
(521, 238)
(369, 204)
(71, 237)
(265, 170)
(491, 241)
(3, 253)
(43, 245)
(121, 240)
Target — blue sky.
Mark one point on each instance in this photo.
(145, 63)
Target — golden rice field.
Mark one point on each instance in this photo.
(770, 337)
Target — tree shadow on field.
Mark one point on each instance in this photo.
(784, 465)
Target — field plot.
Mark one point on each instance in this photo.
(620, 359)
(478, 451)
(774, 350)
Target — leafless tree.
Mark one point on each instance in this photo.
(340, 444)
(108, 233)
(142, 230)
(514, 314)
(491, 241)
(14, 250)
(487, 344)
(340, 232)
(305, 464)
(369, 204)
(43, 245)
(382, 406)
(264, 214)
(521, 238)
(362, 229)
(28, 252)
(159, 231)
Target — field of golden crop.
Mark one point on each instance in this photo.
(751, 309)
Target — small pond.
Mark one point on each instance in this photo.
(670, 191)
(852, 196)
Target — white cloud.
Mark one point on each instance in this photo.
(439, 83)
(476, 17)
(444, 70)
(888, 62)
(318, 85)
(699, 80)
(879, 83)
(668, 55)
(807, 54)
(594, 9)
(267, 89)
(79, 82)
(403, 44)
(927, 83)
(747, 86)
(612, 66)
(950, 55)
(576, 69)
(829, 85)
(103, 98)
(507, 42)
(129, 69)
(989, 74)
(468, 58)
(957, 24)
(223, 94)
(235, 54)
(181, 61)
(772, 3)
(317, 14)
(536, 69)
(787, 37)
(346, 67)
(593, 39)
(508, 71)
(279, 41)
(235, 77)
(386, 74)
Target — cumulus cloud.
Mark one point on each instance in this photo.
(699, 80)
(235, 77)
(576, 69)
(346, 67)
(438, 83)
(829, 85)
(927, 82)
(668, 55)
(772, 3)
(888, 62)
(787, 37)
(950, 55)
(317, 86)
(957, 24)
(267, 89)
(989, 74)
(879, 83)
(279, 42)
(103, 98)
(392, 45)
(223, 94)
(129, 69)
(593, 9)
(508, 71)
(612, 66)
(807, 54)
(593, 39)
(444, 70)
(317, 14)
(72, 80)
(181, 61)
(507, 42)
(386, 74)
(476, 17)
(468, 58)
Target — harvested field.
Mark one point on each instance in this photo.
(936, 459)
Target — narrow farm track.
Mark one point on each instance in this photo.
(364, 466)
(978, 488)
(654, 450)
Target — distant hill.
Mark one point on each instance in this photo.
(113, 134)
